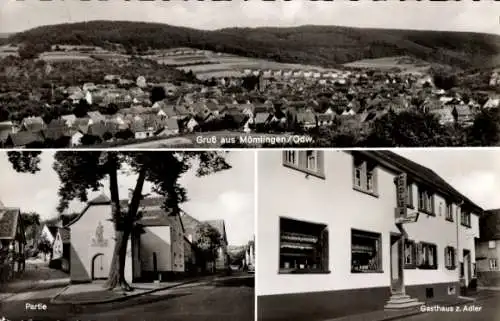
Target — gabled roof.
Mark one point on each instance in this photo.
(420, 174)
(9, 220)
(99, 200)
(24, 138)
(220, 226)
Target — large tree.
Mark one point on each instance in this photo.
(83, 171)
(208, 241)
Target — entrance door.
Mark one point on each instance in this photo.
(467, 267)
(99, 270)
(396, 264)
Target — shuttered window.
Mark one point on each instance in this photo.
(427, 256)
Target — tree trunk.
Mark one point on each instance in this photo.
(123, 229)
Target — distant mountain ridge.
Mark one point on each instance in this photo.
(315, 45)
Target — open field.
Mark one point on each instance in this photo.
(223, 65)
(402, 62)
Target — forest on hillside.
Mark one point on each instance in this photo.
(319, 45)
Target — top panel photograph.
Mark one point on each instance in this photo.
(120, 74)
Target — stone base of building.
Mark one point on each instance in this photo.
(335, 304)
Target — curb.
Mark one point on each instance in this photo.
(118, 299)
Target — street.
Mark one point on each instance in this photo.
(229, 299)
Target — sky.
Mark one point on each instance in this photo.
(473, 172)
(227, 195)
(480, 16)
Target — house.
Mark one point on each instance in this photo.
(69, 119)
(462, 114)
(307, 119)
(32, 124)
(222, 260)
(444, 115)
(488, 249)
(155, 250)
(96, 117)
(6, 128)
(24, 139)
(359, 231)
(12, 237)
(250, 255)
(171, 128)
(325, 119)
(61, 250)
(191, 226)
(49, 233)
(192, 124)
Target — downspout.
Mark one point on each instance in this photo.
(458, 241)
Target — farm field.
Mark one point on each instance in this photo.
(224, 65)
(402, 62)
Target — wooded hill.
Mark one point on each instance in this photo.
(318, 45)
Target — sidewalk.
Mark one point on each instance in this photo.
(94, 293)
(388, 315)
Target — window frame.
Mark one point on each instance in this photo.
(409, 195)
(300, 162)
(447, 250)
(365, 168)
(493, 267)
(323, 247)
(449, 211)
(379, 256)
(414, 256)
(420, 253)
(425, 196)
(468, 216)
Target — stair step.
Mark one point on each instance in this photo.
(406, 305)
(401, 300)
(400, 296)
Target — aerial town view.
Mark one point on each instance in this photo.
(117, 83)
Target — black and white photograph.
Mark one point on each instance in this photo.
(160, 74)
(373, 235)
(104, 235)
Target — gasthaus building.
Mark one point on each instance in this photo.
(355, 231)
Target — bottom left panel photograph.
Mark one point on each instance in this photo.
(127, 235)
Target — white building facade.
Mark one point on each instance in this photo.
(328, 233)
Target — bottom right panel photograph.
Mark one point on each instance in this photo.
(374, 235)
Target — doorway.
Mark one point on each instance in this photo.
(396, 264)
(99, 270)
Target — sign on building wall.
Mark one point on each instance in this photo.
(401, 189)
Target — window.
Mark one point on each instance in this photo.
(493, 264)
(449, 211)
(410, 254)
(462, 269)
(409, 194)
(450, 257)
(366, 251)
(427, 256)
(465, 218)
(303, 247)
(492, 244)
(364, 176)
(426, 201)
(308, 161)
(291, 157)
